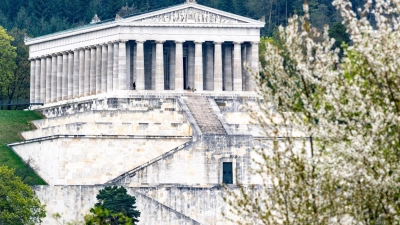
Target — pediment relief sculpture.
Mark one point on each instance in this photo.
(190, 15)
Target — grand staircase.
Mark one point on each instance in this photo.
(204, 115)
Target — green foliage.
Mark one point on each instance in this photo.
(14, 122)
(18, 204)
(7, 63)
(98, 216)
(116, 200)
(338, 32)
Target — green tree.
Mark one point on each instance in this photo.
(18, 90)
(18, 204)
(100, 216)
(338, 32)
(7, 62)
(116, 200)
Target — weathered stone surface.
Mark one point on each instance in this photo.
(204, 115)
(158, 205)
(167, 149)
(91, 160)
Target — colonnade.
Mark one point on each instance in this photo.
(152, 65)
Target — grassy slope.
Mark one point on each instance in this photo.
(12, 122)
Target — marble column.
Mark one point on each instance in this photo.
(191, 69)
(32, 83)
(237, 66)
(86, 78)
(122, 79)
(98, 65)
(48, 78)
(153, 66)
(244, 71)
(92, 79)
(53, 77)
(217, 66)
(254, 64)
(104, 64)
(110, 64)
(75, 90)
(37, 80)
(172, 66)
(115, 83)
(43, 79)
(159, 65)
(59, 75)
(209, 67)
(70, 74)
(139, 65)
(64, 89)
(81, 72)
(227, 71)
(198, 66)
(179, 66)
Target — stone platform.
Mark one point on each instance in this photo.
(167, 148)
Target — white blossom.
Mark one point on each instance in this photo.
(345, 168)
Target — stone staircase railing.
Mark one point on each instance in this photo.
(125, 177)
(204, 115)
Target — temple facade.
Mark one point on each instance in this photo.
(176, 151)
(187, 45)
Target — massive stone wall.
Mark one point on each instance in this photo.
(103, 122)
(200, 163)
(150, 144)
(166, 204)
(91, 160)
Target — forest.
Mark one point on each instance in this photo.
(35, 18)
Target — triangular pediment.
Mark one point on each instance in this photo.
(192, 13)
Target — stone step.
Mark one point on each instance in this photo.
(204, 115)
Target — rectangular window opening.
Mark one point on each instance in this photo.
(227, 175)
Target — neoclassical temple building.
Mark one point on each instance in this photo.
(188, 45)
(171, 148)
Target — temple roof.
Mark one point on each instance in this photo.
(188, 14)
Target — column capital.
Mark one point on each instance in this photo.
(254, 42)
(123, 40)
(43, 57)
(159, 41)
(48, 56)
(140, 41)
(31, 59)
(218, 42)
(237, 42)
(70, 51)
(64, 52)
(59, 53)
(92, 46)
(179, 42)
(198, 42)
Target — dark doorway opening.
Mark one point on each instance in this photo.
(227, 175)
(185, 85)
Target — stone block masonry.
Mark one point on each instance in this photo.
(167, 149)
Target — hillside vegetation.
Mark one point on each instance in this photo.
(13, 122)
